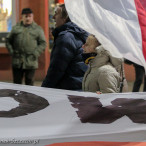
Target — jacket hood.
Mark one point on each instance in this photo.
(73, 28)
(103, 57)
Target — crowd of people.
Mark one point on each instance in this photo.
(78, 60)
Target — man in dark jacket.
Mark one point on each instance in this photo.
(66, 68)
(25, 43)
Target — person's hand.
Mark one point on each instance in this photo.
(98, 92)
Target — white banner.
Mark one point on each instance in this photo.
(44, 116)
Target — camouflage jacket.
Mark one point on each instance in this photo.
(25, 44)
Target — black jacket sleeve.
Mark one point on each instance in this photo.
(62, 54)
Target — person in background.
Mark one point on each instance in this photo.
(102, 76)
(66, 68)
(25, 43)
(139, 76)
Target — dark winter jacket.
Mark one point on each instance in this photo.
(66, 68)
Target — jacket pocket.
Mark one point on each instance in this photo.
(33, 34)
(17, 32)
(32, 57)
(16, 54)
(16, 62)
(31, 61)
(18, 36)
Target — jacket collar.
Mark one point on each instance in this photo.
(59, 29)
(104, 57)
(31, 25)
(73, 28)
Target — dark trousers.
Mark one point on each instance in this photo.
(18, 74)
(139, 75)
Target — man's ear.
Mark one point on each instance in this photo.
(64, 20)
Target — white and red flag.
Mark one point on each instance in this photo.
(120, 25)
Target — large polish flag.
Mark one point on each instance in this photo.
(120, 25)
(36, 116)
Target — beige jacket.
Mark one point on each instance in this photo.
(102, 75)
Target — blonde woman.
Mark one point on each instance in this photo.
(101, 76)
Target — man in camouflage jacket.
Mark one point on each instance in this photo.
(25, 43)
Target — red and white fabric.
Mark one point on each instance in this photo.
(120, 25)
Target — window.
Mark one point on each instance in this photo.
(7, 18)
(5, 15)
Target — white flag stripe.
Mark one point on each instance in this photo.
(115, 23)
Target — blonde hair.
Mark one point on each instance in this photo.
(93, 40)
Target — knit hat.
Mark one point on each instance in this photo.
(26, 11)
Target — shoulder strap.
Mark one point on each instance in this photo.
(122, 78)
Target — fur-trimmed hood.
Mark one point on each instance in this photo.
(104, 56)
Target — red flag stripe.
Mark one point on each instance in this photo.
(100, 144)
(143, 2)
(141, 11)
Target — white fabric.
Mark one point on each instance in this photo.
(114, 23)
(59, 121)
(7, 103)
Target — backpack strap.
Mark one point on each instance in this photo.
(122, 75)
